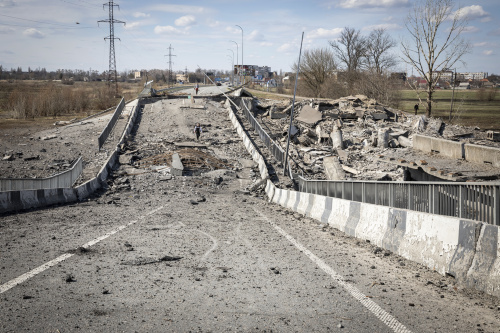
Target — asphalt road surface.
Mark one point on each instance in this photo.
(199, 254)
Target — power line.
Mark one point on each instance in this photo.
(54, 28)
(170, 55)
(42, 22)
(77, 4)
(112, 59)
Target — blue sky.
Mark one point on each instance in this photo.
(64, 33)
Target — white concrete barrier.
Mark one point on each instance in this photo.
(27, 199)
(465, 249)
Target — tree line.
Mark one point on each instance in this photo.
(362, 64)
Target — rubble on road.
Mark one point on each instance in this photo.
(344, 139)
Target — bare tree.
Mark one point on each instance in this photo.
(350, 49)
(436, 42)
(316, 67)
(377, 54)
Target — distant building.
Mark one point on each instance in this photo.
(181, 77)
(476, 76)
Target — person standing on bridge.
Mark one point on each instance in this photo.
(196, 87)
(198, 130)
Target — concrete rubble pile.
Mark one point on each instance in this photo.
(355, 137)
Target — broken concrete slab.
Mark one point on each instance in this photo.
(125, 159)
(177, 167)
(333, 168)
(309, 115)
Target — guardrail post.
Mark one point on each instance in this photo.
(496, 205)
(363, 192)
(461, 198)
(391, 195)
(411, 203)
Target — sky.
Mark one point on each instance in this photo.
(65, 34)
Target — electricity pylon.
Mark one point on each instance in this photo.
(170, 55)
(111, 38)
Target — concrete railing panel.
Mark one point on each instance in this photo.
(482, 154)
(446, 148)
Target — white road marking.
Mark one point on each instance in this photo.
(374, 308)
(214, 246)
(26, 276)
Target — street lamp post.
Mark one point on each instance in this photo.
(236, 55)
(242, 62)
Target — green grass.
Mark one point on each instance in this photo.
(469, 108)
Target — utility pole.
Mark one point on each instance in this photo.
(170, 55)
(112, 60)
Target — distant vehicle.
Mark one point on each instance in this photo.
(218, 84)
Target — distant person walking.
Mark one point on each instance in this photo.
(416, 109)
(198, 130)
(196, 87)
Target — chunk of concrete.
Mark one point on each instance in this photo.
(333, 168)
(177, 166)
(309, 115)
(337, 140)
(383, 138)
(404, 142)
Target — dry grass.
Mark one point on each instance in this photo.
(40, 99)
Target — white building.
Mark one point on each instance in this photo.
(472, 76)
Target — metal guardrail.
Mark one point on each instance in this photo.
(109, 127)
(474, 201)
(64, 179)
(273, 147)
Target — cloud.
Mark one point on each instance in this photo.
(139, 14)
(233, 30)
(373, 3)
(33, 33)
(472, 12)
(132, 25)
(488, 52)
(480, 44)
(183, 9)
(6, 30)
(471, 28)
(7, 3)
(385, 26)
(213, 24)
(288, 47)
(266, 44)
(256, 36)
(185, 21)
(167, 30)
(324, 33)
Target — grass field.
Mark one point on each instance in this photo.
(79, 98)
(469, 107)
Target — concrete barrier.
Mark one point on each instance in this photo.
(482, 154)
(252, 150)
(27, 199)
(446, 148)
(465, 249)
